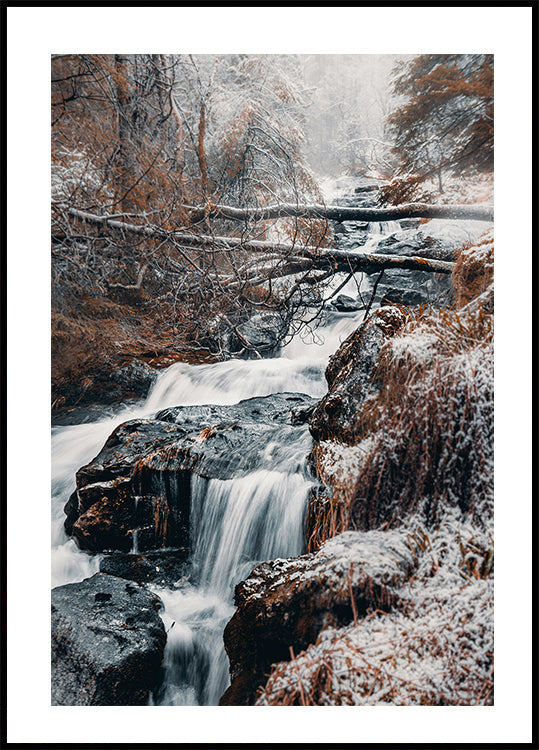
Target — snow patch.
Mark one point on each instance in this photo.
(453, 234)
(341, 463)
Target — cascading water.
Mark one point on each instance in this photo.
(378, 231)
(234, 523)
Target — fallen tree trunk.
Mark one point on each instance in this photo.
(330, 266)
(345, 213)
(293, 254)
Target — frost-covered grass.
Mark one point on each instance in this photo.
(373, 564)
(474, 270)
(339, 464)
(421, 468)
(481, 251)
(477, 188)
(436, 648)
(434, 446)
(425, 439)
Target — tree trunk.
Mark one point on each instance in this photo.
(202, 152)
(339, 213)
(123, 160)
(298, 257)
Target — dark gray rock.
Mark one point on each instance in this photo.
(286, 603)
(351, 378)
(72, 415)
(413, 287)
(409, 223)
(107, 643)
(247, 336)
(366, 188)
(344, 303)
(135, 379)
(139, 483)
(264, 332)
(161, 567)
(366, 199)
(417, 243)
(406, 297)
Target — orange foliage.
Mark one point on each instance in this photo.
(446, 124)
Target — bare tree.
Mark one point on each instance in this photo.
(179, 183)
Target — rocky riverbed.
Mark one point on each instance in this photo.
(292, 499)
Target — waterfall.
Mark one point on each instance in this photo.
(240, 521)
(234, 523)
(378, 231)
(300, 369)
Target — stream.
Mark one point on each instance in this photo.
(234, 523)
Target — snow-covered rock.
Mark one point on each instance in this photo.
(285, 604)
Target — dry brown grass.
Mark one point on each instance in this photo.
(434, 646)
(434, 446)
(93, 337)
(422, 462)
(381, 662)
(327, 516)
(426, 439)
(474, 270)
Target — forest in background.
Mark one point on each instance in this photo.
(157, 144)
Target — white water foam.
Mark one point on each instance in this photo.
(235, 523)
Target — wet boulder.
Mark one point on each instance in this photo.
(247, 336)
(135, 494)
(405, 297)
(161, 567)
(409, 223)
(286, 604)
(133, 380)
(263, 333)
(366, 188)
(351, 378)
(107, 643)
(344, 303)
(416, 243)
(411, 288)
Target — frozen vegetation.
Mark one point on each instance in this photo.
(435, 649)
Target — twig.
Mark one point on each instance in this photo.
(352, 599)
(304, 701)
(367, 311)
